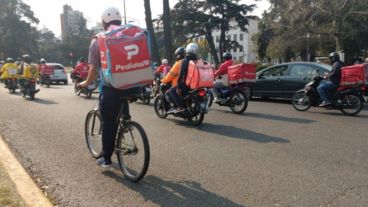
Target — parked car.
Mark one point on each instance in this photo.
(59, 75)
(282, 80)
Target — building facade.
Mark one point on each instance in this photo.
(246, 51)
(72, 23)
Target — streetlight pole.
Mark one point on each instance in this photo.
(308, 57)
(125, 20)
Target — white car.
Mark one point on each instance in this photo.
(59, 73)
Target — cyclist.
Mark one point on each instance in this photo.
(181, 89)
(172, 77)
(81, 69)
(9, 70)
(28, 71)
(222, 71)
(111, 99)
(333, 79)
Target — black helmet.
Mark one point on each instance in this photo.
(9, 60)
(334, 57)
(26, 58)
(180, 53)
(227, 56)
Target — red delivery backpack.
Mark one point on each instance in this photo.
(125, 57)
(242, 73)
(200, 75)
(354, 75)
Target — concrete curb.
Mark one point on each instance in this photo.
(27, 189)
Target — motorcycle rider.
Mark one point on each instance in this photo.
(334, 79)
(172, 77)
(182, 89)
(111, 99)
(28, 71)
(9, 70)
(81, 69)
(221, 75)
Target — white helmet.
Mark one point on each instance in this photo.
(192, 48)
(111, 14)
(164, 62)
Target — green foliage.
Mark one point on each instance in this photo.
(332, 26)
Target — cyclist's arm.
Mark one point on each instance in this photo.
(92, 75)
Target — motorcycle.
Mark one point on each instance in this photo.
(234, 97)
(45, 80)
(348, 100)
(85, 90)
(28, 88)
(145, 95)
(196, 102)
(11, 84)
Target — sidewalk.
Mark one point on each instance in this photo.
(16, 186)
(8, 192)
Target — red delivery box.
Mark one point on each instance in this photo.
(354, 75)
(242, 73)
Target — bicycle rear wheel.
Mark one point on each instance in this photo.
(93, 133)
(133, 151)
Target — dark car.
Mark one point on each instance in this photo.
(282, 80)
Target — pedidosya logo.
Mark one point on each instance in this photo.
(133, 52)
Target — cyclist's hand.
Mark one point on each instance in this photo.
(83, 84)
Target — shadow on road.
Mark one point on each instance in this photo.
(173, 193)
(43, 101)
(235, 132)
(278, 118)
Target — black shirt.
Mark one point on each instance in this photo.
(335, 75)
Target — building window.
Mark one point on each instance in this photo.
(241, 37)
(235, 37)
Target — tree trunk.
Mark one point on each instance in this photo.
(222, 44)
(167, 31)
(211, 44)
(149, 24)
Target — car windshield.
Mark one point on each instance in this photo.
(325, 66)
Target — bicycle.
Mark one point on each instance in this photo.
(129, 147)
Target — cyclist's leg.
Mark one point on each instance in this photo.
(110, 104)
(123, 94)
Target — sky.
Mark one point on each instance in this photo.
(48, 11)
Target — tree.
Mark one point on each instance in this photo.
(17, 36)
(194, 18)
(167, 30)
(149, 24)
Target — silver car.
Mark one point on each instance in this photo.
(59, 73)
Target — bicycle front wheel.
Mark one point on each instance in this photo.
(133, 151)
(93, 133)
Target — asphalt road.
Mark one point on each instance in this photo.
(271, 155)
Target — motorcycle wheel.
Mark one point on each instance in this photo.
(146, 99)
(351, 104)
(197, 119)
(238, 102)
(159, 107)
(76, 89)
(209, 98)
(89, 94)
(301, 101)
